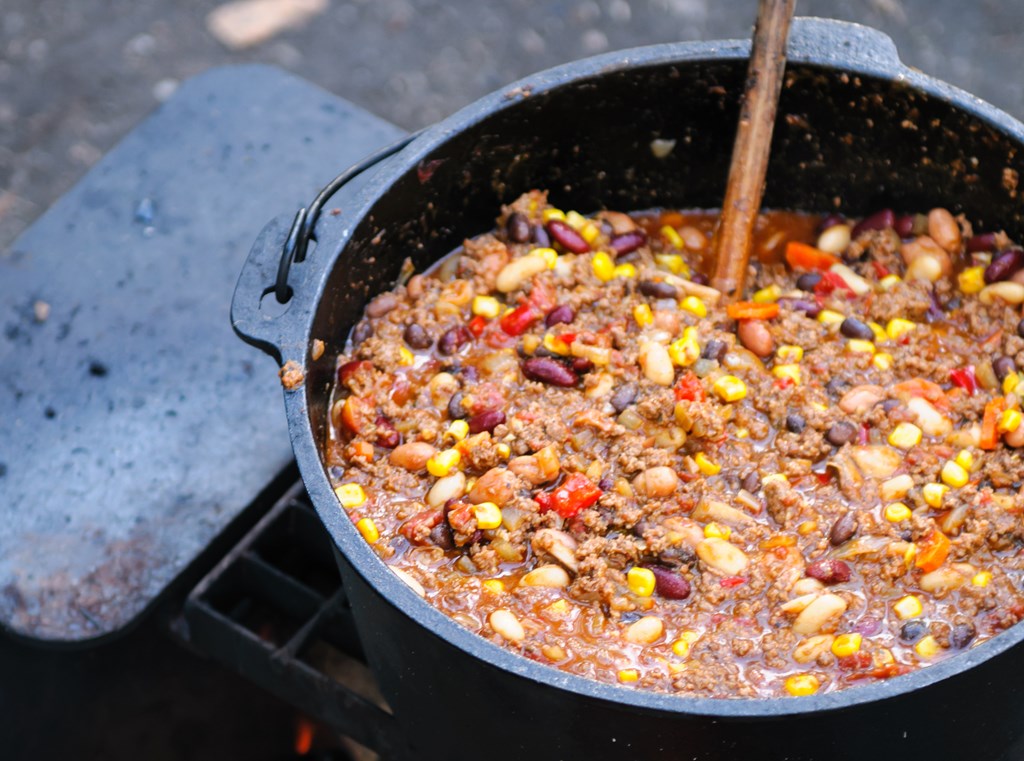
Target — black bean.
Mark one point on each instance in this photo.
(843, 529)
(1004, 265)
(677, 556)
(890, 404)
(455, 409)
(1003, 367)
(714, 349)
(1020, 328)
(606, 484)
(751, 482)
(417, 337)
(840, 433)
(880, 220)
(540, 236)
(623, 396)
(962, 635)
(442, 536)
(983, 242)
(486, 421)
(560, 314)
(808, 280)
(795, 423)
(627, 242)
(361, 332)
(935, 311)
(912, 631)
(550, 371)
(658, 289)
(854, 328)
(453, 340)
(669, 584)
(518, 227)
(809, 308)
(699, 278)
(830, 220)
(836, 386)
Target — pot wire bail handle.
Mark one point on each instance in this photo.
(304, 224)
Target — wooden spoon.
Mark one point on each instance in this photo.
(743, 192)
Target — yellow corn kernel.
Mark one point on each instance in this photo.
(694, 305)
(775, 477)
(806, 528)
(897, 512)
(933, 494)
(880, 335)
(671, 235)
(487, 514)
(767, 295)
(846, 644)
(689, 636)
(964, 459)
(590, 232)
(684, 351)
(882, 360)
(954, 474)
(504, 450)
(575, 220)
(603, 266)
(643, 315)
(549, 255)
(909, 554)
(672, 262)
(557, 608)
(729, 388)
(907, 607)
(458, 430)
(800, 685)
(627, 676)
(1009, 421)
(444, 462)
(717, 531)
(548, 214)
(368, 529)
(624, 270)
(927, 647)
(406, 358)
(486, 306)
(982, 579)
(905, 436)
(640, 581)
(350, 495)
(556, 345)
(860, 346)
(829, 317)
(742, 433)
(819, 406)
(888, 282)
(1010, 383)
(789, 353)
(707, 467)
(494, 585)
(530, 343)
(972, 279)
(787, 371)
(681, 648)
(897, 327)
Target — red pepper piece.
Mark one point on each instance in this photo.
(732, 581)
(476, 325)
(965, 378)
(577, 493)
(516, 322)
(880, 270)
(689, 388)
(830, 282)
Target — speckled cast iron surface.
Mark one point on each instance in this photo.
(134, 426)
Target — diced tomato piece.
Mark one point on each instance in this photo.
(864, 435)
(497, 338)
(855, 661)
(542, 296)
(356, 414)
(923, 388)
(732, 581)
(801, 256)
(831, 282)
(347, 370)
(751, 310)
(932, 551)
(880, 269)
(689, 388)
(476, 325)
(516, 322)
(783, 383)
(965, 378)
(567, 338)
(417, 528)
(990, 420)
(577, 493)
(890, 670)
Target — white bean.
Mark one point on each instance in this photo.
(722, 556)
(546, 576)
(507, 625)
(835, 239)
(1005, 290)
(809, 649)
(449, 487)
(645, 631)
(514, 274)
(656, 364)
(819, 613)
(896, 488)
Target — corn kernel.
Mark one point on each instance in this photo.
(905, 436)
(350, 495)
(927, 647)
(880, 335)
(806, 528)
(954, 474)
(549, 255)
(717, 531)
(707, 467)
(767, 295)
(897, 512)
(789, 353)
(846, 644)
(819, 406)
(486, 306)
(1010, 383)
(488, 515)
(641, 581)
(643, 315)
(603, 266)
(627, 676)
(494, 585)
(444, 462)
(897, 327)
(882, 360)
(530, 343)
(792, 372)
(1009, 421)
(504, 450)
(684, 351)
(556, 345)
(933, 494)
(575, 220)
(829, 317)
(548, 214)
(742, 433)
(672, 236)
(982, 579)
(860, 346)
(458, 430)
(775, 477)
(729, 388)
(972, 279)
(406, 358)
(672, 262)
(689, 636)
(625, 270)
(368, 529)
(907, 607)
(964, 459)
(800, 685)
(888, 282)
(681, 648)
(694, 305)
(590, 232)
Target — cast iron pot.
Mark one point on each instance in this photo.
(857, 131)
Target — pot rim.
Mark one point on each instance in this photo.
(823, 43)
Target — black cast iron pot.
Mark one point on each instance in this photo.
(857, 131)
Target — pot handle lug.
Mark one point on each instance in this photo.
(843, 42)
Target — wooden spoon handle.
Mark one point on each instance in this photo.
(733, 240)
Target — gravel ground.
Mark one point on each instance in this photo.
(77, 76)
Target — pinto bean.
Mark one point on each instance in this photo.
(659, 481)
(944, 230)
(754, 334)
(412, 456)
(497, 485)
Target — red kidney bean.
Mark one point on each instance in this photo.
(518, 227)
(453, 340)
(840, 433)
(486, 421)
(983, 242)
(829, 571)
(1003, 366)
(808, 280)
(567, 237)
(699, 278)
(582, 365)
(904, 225)
(843, 529)
(830, 220)
(869, 626)
(417, 337)
(623, 397)
(540, 236)
(1004, 265)
(658, 289)
(387, 436)
(550, 371)
(627, 242)
(456, 411)
(880, 220)
(381, 305)
(560, 314)
(854, 328)
(669, 584)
